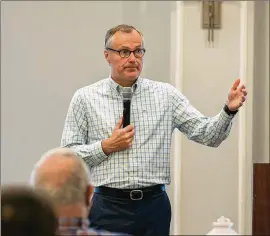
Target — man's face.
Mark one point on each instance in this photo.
(125, 70)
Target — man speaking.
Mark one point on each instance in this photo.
(130, 162)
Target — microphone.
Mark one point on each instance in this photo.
(127, 94)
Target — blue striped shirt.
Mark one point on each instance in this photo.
(156, 110)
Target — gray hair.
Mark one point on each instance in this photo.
(123, 28)
(73, 189)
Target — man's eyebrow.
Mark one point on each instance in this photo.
(125, 47)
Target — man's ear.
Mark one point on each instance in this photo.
(107, 57)
(89, 194)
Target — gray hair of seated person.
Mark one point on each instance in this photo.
(73, 189)
(26, 212)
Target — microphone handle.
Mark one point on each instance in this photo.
(126, 113)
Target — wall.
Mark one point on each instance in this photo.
(209, 175)
(261, 83)
(49, 50)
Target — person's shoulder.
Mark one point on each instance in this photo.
(92, 88)
(96, 85)
(91, 231)
(148, 83)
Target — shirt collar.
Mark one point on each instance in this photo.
(115, 86)
(73, 222)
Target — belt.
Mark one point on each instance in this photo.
(133, 194)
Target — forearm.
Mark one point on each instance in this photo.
(92, 154)
(76, 135)
(211, 131)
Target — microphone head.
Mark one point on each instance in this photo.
(127, 93)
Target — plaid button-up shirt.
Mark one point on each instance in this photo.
(156, 110)
(80, 226)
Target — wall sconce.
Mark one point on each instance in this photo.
(211, 17)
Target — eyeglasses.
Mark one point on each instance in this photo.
(125, 53)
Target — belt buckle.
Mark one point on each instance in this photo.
(138, 195)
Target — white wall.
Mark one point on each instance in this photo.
(50, 49)
(209, 175)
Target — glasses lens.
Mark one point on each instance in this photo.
(124, 53)
(139, 53)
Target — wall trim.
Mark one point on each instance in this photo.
(245, 167)
(177, 46)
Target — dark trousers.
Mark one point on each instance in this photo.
(149, 216)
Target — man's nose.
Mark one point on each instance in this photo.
(132, 57)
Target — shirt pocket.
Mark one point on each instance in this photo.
(150, 120)
(102, 121)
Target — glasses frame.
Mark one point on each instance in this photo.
(119, 52)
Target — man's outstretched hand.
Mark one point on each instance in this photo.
(237, 96)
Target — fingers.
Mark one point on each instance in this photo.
(242, 87)
(128, 128)
(236, 84)
(130, 134)
(130, 142)
(127, 139)
(244, 91)
(118, 124)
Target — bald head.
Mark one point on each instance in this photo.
(55, 170)
(63, 175)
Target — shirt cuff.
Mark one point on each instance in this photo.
(226, 118)
(98, 153)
